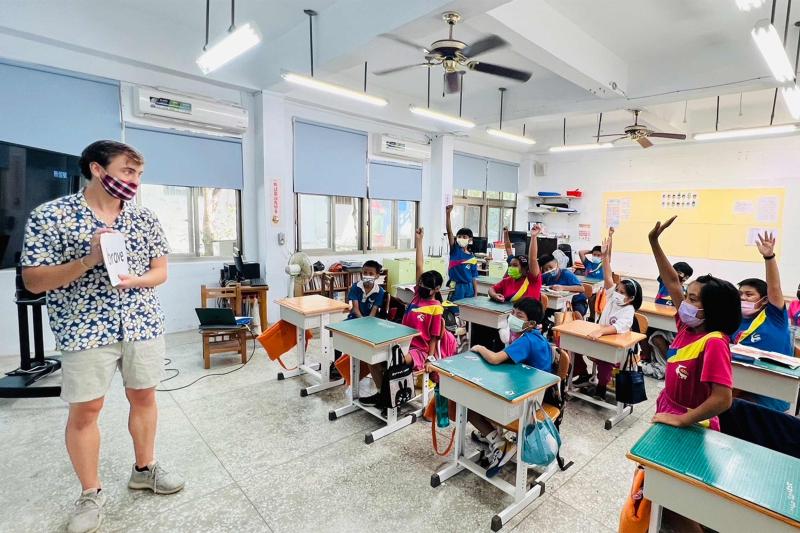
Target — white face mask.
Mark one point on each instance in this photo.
(463, 241)
(369, 280)
(618, 298)
(516, 324)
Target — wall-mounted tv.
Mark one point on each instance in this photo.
(29, 177)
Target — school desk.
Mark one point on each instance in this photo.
(724, 483)
(659, 316)
(597, 284)
(609, 348)
(405, 292)
(484, 311)
(503, 393)
(485, 283)
(370, 339)
(761, 377)
(557, 300)
(310, 312)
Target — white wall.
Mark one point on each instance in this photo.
(741, 164)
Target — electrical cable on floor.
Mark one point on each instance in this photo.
(177, 371)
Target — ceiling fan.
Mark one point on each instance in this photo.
(454, 55)
(640, 134)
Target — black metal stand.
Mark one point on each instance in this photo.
(31, 369)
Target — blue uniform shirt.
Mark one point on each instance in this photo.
(463, 267)
(773, 335)
(594, 270)
(365, 304)
(533, 350)
(567, 279)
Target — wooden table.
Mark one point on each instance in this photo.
(660, 316)
(260, 292)
(503, 393)
(371, 339)
(761, 377)
(609, 348)
(312, 312)
(722, 482)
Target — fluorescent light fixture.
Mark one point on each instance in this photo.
(769, 44)
(746, 132)
(580, 147)
(747, 5)
(510, 136)
(441, 117)
(330, 88)
(791, 97)
(234, 44)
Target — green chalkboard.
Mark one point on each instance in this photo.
(509, 381)
(373, 330)
(768, 479)
(484, 302)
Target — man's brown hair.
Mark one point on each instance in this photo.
(102, 152)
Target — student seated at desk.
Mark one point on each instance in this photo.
(463, 268)
(523, 279)
(655, 349)
(560, 279)
(528, 346)
(622, 301)
(366, 297)
(592, 262)
(765, 321)
(425, 314)
(699, 379)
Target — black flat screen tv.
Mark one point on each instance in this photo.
(29, 177)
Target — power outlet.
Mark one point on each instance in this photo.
(281, 239)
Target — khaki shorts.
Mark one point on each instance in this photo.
(87, 374)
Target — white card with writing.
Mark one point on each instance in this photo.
(115, 256)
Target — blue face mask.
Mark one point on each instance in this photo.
(550, 276)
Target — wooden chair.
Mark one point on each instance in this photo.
(223, 341)
(588, 290)
(545, 301)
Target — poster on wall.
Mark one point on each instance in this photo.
(767, 210)
(612, 213)
(584, 232)
(276, 201)
(680, 200)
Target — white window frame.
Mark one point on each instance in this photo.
(461, 197)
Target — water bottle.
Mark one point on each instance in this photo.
(442, 417)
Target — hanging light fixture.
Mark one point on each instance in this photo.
(429, 113)
(580, 147)
(745, 132)
(330, 88)
(748, 5)
(791, 92)
(236, 42)
(772, 48)
(505, 135)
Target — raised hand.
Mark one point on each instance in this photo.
(604, 247)
(610, 232)
(420, 233)
(659, 228)
(536, 230)
(448, 209)
(766, 244)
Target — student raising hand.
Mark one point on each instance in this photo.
(669, 276)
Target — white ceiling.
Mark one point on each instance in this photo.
(662, 53)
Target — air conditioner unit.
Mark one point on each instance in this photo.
(394, 147)
(188, 110)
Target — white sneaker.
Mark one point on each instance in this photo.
(157, 479)
(88, 513)
(500, 454)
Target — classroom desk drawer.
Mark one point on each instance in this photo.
(481, 401)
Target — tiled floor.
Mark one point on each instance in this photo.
(258, 457)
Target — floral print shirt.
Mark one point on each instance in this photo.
(89, 312)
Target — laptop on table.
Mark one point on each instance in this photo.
(219, 318)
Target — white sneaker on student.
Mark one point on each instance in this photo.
(501, 453)
(157, 479)
(88, 513)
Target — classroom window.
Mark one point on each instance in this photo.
(381, 221)
(347, 218)
(485, 216)
(406, 224)
(198, 222)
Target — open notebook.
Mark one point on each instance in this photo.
(748, 354)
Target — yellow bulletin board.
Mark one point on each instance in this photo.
(712, 223)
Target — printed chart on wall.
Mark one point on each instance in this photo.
(712, 223)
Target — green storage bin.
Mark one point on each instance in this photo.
(401, 272)
(438, 264)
